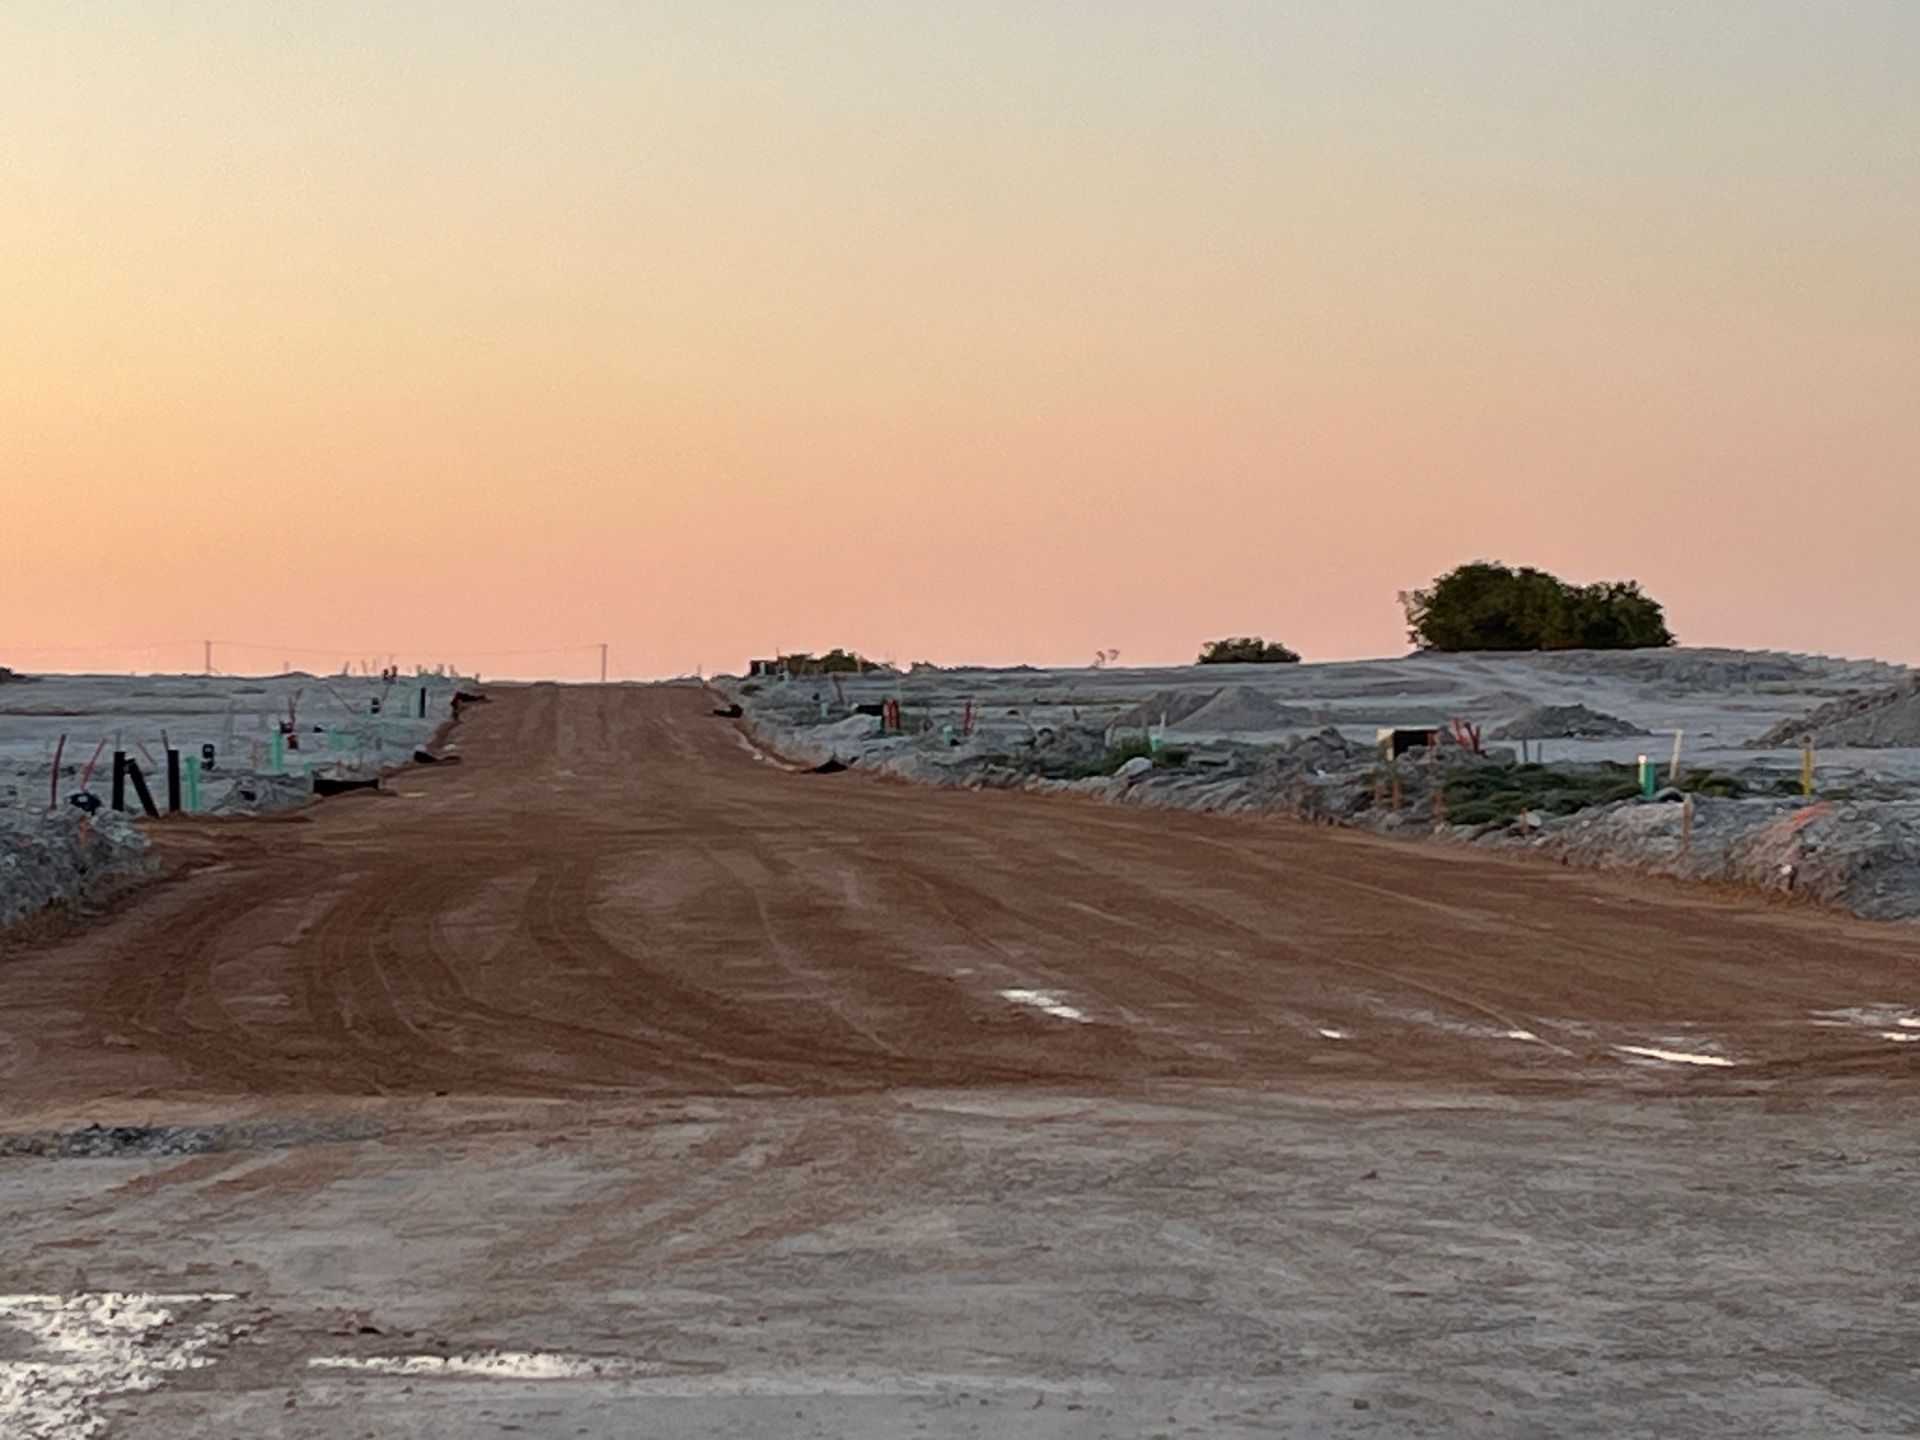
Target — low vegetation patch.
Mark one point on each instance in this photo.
(1713, 783)
(1133, 748)
(1501, 794)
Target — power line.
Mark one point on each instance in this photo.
(463, 650)
(11, 649)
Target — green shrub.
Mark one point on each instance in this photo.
(1246, 650)
(1500, 794)
(1488, 606)
(1712, 783)
(1121, 751)
(835, 661)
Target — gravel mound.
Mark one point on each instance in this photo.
(1883, 719)
(1704, 668)
(1862, 857)
(59, 859)
(264, 795)
(1172, 706)
(1235, 709)
(1565, 722)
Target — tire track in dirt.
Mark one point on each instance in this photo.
(610, 895)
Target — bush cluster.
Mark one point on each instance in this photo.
(835, 661)
(1486, 606)
(1246, 650)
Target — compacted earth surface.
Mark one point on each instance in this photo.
(623, 1081)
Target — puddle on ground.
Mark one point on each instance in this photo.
(1673, 1057)
(91, 1347)
(1467, 1029)
(1897, 1023)
(1048, 1001)
(1329, 1032)
(687, 1381)
(481, 1364)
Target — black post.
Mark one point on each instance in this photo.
(119, 779)
(140, 788)
(423, 702)
(173, 782)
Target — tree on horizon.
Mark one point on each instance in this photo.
(1485, 605)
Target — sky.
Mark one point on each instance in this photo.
(973, 332)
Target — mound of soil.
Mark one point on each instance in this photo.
(1237, 709)
(1692, 669)
(1880, 719)
(1565, 722)
(1172, 706)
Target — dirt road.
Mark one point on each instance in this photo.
(614, 892)
(619, 1080)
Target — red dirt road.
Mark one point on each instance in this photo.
(615, 893)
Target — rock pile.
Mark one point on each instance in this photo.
(61, 858)
(1883, 719)
(1565, 722)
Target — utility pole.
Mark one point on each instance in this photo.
(207, 648)
(603, 662)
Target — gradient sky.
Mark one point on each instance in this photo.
(962, 331)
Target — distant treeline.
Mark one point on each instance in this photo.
(835, 661)
(1480, 606)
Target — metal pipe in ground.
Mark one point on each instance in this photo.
(138, 779)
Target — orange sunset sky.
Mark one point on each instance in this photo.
(970, 332)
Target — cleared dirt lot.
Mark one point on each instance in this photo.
(771, 1103)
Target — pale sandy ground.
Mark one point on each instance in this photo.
(58, 735)
(1720, 698)
(1204, 1262)
(236, 714)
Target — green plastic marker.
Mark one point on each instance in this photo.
(278, 750)
(1646, 778)
(193, 788)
